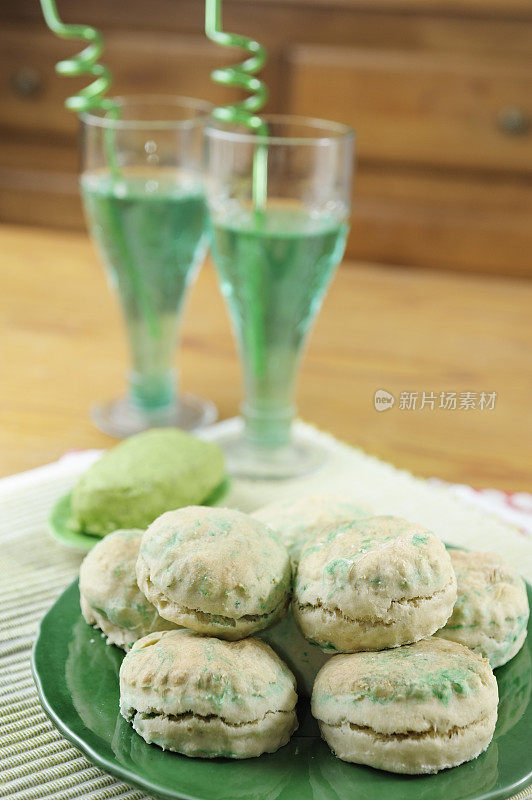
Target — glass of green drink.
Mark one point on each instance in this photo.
(143, 195)
(279, 206)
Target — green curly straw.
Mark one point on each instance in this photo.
(242, 76)
(91, 98)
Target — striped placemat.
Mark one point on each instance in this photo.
(35, 760)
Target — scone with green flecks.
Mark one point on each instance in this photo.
(143, 476)
(416, 709)
(371, 584)
(297, 521)
(209, 698)
(110, 598)
(491, 611)
(215, 570)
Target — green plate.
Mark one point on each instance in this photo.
(77, 679)
(60, 514)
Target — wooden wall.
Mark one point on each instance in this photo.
(439, 91)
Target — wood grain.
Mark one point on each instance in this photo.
(445, 219)
(439, 184)
(162, 13)
(431, 110)
(381, 327)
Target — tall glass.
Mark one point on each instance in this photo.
(142, 190)
(276, 250)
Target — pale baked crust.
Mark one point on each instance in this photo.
(110, 598)
(491, 612)
(414, 755)
(300, 520)
(405, 621)
(372, 584)
(214, 570)
(419, 708)
(213, 737)
(208, 697)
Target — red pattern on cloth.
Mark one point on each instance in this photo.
(515, 508)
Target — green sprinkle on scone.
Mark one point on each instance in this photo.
(373, 583)
(215, 570)
(491, 612)
(298, 521)
(109, 595)
(415, 709)
(207, 697)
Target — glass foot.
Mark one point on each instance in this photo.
(244, 459)
(121, 419)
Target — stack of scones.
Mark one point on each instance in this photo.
(225, 616)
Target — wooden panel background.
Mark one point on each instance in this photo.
(441, 182)
(417, 109)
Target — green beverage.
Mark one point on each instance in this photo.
(150, 231)
(275, 267)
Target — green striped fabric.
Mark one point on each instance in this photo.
(35, 760)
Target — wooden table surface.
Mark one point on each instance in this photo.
(399, 329)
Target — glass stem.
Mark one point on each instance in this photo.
(269, 408)
(152, 393)
(267, 426)
(152, 379)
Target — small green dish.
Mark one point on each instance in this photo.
(60, 514)
(76, 675)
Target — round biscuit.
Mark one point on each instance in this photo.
(300, 520)
(415, 709)
(207, 697)
(491, 612)
(372, 584)
(214, 570)
(110, 598)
